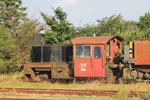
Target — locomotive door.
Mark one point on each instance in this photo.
(97, 60)
(83, 61)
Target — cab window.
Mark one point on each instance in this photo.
(97, 52)
(83, 51)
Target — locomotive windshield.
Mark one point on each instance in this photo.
(83, 51)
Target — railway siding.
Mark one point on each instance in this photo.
(69, 92)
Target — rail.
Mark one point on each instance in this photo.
(69, 92)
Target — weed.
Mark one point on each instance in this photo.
(121, 95)
(147, 96)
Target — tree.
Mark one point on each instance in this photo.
(88, 30)
(11, 13)
(12, 52)
(144, 25)
(7, 43)
(60, 28)
(114, 24)
(7, 48)
(26, 36)
(11, 16)
(16, 35)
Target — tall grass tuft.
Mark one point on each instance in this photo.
(147, 96)
(121, 95)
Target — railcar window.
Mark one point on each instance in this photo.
(87, 51)
(83, 51)
(79, 51)
(97, 52)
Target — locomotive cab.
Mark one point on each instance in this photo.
(92, 55)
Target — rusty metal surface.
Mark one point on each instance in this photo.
(94, 40)
(46, 64)
(51, 69)
(142, 52)
(69, 92)
(144, 69)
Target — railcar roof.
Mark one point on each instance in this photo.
(94, 40)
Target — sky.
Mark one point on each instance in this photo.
(81, 12)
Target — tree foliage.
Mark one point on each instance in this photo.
(16, 32)
(60, 28)
(7, 48)
(144, 25)
(11, 12)
(144, 21)
(114, 24)
(7, 43)
(87, 30)
(25, 38)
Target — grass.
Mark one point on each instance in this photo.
(54, 97)
(14, 81)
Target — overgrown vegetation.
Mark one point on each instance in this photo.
(13, 80)
(17, 31)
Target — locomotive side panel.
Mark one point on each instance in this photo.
(142, 52)
(139, 59)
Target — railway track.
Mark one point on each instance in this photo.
(69, 92)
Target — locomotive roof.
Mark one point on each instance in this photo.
(94, 40)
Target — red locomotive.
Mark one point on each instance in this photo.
(87, 57)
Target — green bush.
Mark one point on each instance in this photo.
(8, 66)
